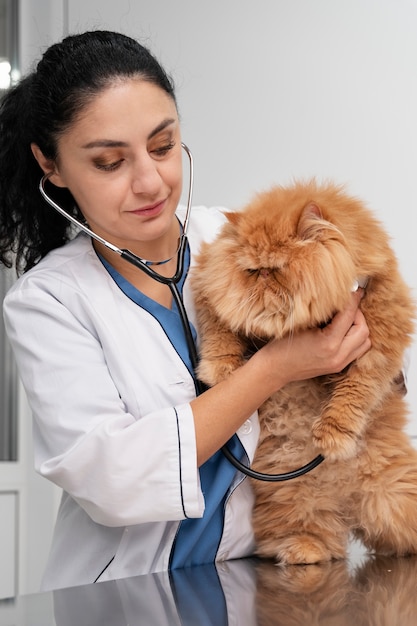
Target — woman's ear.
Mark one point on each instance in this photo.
(47, 165)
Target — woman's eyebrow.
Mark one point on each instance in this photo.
(162, 126)
(111, 143)
(105, 143)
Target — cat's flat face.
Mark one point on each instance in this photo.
(284, 267)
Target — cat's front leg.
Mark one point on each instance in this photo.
(212, 371)
(221, 352)
(333, 438)
(337, 432)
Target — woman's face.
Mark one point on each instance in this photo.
(122, 162)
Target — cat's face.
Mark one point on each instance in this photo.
(285, 267)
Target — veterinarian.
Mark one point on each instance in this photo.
(99, 344)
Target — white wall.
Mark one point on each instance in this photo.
(276, 89)
(41, 22)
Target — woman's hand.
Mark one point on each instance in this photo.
(325, 350)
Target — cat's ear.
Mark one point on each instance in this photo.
(312, 210)
(233, 217)
(308, 225)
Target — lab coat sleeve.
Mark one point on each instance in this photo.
(121, 468)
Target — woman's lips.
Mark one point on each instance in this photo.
(151, 210)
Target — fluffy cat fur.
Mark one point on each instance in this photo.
(287, 262)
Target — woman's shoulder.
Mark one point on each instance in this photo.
(68, 263)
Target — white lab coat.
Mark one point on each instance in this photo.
(112, 421)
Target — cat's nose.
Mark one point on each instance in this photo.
(264, 272)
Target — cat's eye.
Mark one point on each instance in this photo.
(251, 271)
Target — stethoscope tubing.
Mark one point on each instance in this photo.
(172, 283)
(272, 478)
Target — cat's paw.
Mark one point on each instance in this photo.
(302, 550)
(333, 442)
(212, 371)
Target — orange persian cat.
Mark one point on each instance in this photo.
(288, 262)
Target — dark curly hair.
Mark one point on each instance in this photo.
(37, 110)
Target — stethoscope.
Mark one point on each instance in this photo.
(172, 283)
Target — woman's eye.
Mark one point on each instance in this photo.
(108, 167)
(163, 150)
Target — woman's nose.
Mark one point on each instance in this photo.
(146, 178)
